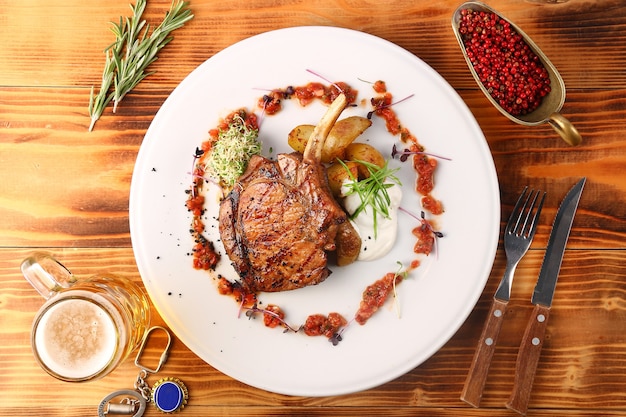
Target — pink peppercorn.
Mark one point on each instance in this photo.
(510, 71)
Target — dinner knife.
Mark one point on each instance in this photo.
(532, 340)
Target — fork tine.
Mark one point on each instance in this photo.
(520, 223)
(533, 223)
(513, 219)
(528, 210)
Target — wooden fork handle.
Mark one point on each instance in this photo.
(477, 375)
(528, 358)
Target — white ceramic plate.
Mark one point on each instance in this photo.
(433, 302)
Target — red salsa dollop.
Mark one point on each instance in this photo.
(375, 296)
(271, 103)
(321, 325)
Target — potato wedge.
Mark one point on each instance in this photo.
(364, 152)
(344, 132)
(299, 136)
(337, 174)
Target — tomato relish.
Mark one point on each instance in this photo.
(271, 103)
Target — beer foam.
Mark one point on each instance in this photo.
(76, 338)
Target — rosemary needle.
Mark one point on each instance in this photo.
(134, 49)
(98, 103)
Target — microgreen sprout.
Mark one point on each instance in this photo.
(335, 339)
(425, 223)
(325, 79)
(371, 113)
(338, 335)
(255, 309)
(194, 172)
(372, 190)
(396, 300)
(231, 152)
(404, 155)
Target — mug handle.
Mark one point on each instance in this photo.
(47, 275)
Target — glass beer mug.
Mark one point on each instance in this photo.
(87, 327)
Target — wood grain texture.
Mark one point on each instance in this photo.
(478, 371)
(53, 48)
(581, 360)
(527, 359)
(66, 190)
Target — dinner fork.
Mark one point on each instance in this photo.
(518, 234)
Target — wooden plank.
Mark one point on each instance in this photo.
(580, 360)
(44, 44)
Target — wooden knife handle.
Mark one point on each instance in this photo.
(477, 375)
(527, 359)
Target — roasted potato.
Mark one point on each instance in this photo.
(299, 136)
(344, 132)
(348, 244)
(337, 174)
(364, 152)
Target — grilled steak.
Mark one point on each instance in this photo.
(280, 219)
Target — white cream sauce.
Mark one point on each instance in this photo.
(375, 245)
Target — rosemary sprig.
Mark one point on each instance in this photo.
(373, 190)
(98, 103)
(134, 49)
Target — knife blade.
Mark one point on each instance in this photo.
(532, 340)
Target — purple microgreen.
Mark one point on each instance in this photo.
(194, 188)
(289, 91)
(371, 113)
(207, 179)
(325, 79)
(336, 338)
(266, 100)
(404, 155)
(197, 155)
(425, 223)
(255, 309)
(338, 335)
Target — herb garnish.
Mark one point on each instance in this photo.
(134, 49)
(275, 318)
(372, 190)
(404, 155)
(231, 152)
(402, 276)
(426, 225)
(384, 106)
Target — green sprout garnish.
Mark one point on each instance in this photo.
(232, 151)
(372, 190)
(402, 275)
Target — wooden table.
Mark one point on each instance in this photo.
(66, 190)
